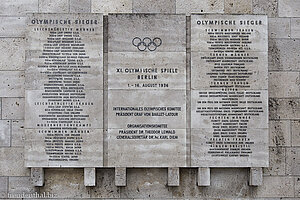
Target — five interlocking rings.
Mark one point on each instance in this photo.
(146, 43)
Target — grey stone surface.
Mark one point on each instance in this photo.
(256, 176)
(280, 53)
(197, 6)
(269, 7)
(173, 176)
(107, 6)
(297, 186)
(5, 133)
(288, 8)
(295, 128)
(13, 108)
(3, 187)
(154, 6)
(53, 6)
(120, 176)
(18, 7)
(238, 6)
(89, 176)
(13, 57)
(293, 161)
(284, 84)
(203, 176)
(279, 133)
(12, 84)
(18, 133)
(12, 162)
(19, 185)
(37, 176)
(287, 108)
(12, 26)
(295, 27)
(277, 162)
(279, 27)
(80, 6)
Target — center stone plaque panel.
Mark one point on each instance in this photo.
(64, 91)
(229, 98)
(146, 90)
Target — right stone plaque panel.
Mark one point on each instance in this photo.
(229, 97)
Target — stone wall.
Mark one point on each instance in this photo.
(281, 179)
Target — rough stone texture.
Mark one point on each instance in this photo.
(154, 6)
(80, 6)
(14, 108)
(108, 6)
(3, 187)
(279, 133)
(256, 176)
(18, 7)
(12, 83)
(120, 176)
(37, 176)
(18, 185)
(279, 27)
(12, 26)
(269, 7)
(12, 162)
(238, 6)
(284, 84)
(280, 53)
(199, 6)
(277, 162)
(53, 6)
(293, 161)
(173, 176)
(13, 57)
(297, 186)
(5, 133)
(295, 27)
(295, 133)
(284, 108)
(18, 133)
(288, 8)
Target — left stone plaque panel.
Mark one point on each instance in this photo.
(64, 90)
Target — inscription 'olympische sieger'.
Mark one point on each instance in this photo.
(229, 103)
(64, 98)
(146, 90)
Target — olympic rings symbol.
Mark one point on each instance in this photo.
(146, 43)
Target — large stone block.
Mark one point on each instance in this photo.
(18, 133)
(12, 83)
(284, 108)
(269, 7)
(20, 185)
(3, 187)
(12, 55)
(5, 133)
(293, 161)
(53, 6)
(17, 7)
(12, 162)
(197, 6)
(295, 27)
(108, 6)
(284, 84)
(13, 108)
(280, 53)
(279, 27)
(295, 133)
(288, 8)
(154, 6)
(279, 133)
(80, 6)
(12, 26)
(277, 162)
(238, 6)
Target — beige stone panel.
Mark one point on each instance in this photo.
(258, 38)
(35, 110)
(284, 84)
(238, 6)
(163, 107)
(202, 158)
(108, 6)
(80, 6)
(279, 27)
(5, 133)
(53, 6)
(295, 133)
(12, 162)
(164, 76)
(122, 29)
(154, 6)
(293, 161)
(12, 55)
(18, 7)
(202, 69)
(275, 186)
(287, 108)
(12, 83)
(91, 155)
(18, 133)
(200, 114)
(13, 108)
(269, 7)
(12, 26)
(147, 152)
(198, 6)
(277, 162)
(288, 8)
(279, 133)
(295, 27)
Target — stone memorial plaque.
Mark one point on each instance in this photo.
(229, 97)
(146, 90)
(64, 91)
